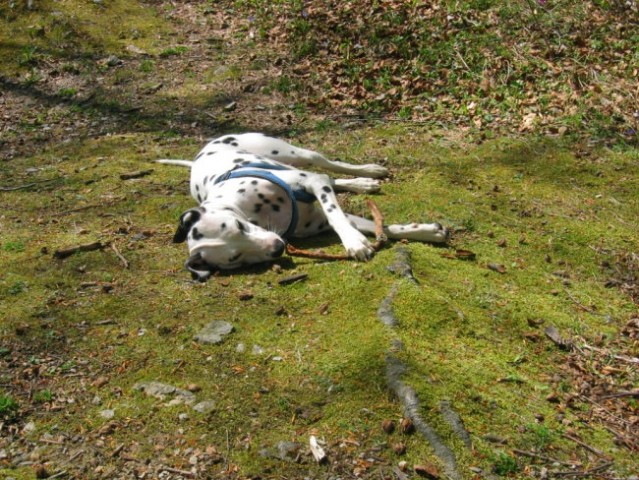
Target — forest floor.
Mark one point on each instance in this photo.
(519, 339)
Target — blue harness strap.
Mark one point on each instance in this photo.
(261, 170)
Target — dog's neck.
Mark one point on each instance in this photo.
(219, 205)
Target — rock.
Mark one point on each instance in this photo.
(205, 406)
(107, 414)
(241, 348)
(182, 417)
(229, 107)
(288, 451)
(29, 427)
(162, 391)
(257, 350)
(214, 332)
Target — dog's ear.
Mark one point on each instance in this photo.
(187, 219)
(200, 270)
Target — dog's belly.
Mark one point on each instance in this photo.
(262, 202)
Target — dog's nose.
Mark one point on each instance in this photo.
(279, 249)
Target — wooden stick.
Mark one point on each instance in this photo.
(380, 239)
(67, 252)
(138, 174)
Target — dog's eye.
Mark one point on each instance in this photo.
(241, 227)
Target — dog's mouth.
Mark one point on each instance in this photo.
(199, 268)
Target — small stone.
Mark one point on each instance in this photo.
(41, 472)
(288, 451)
(107, 414)
(182, 417)
(406, 426)
(214, 332)
(399, 448)
(29, 427)
(427, 471)
(257, 350)
(244, 296)
(388, 426)
(240, 348)
(193, 387)
(100, 382)
(113, 61)
(229, 107)
(205, 406)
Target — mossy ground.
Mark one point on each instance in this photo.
(86, 329)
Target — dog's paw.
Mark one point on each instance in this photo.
(440, 233)
(358, 247)
(373, 170)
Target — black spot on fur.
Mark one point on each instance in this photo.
(258, 208)
(238, 160)
(246, 162)
(303, 175)
(199, 198)
(206, 179)
(253, 182)
(228, 140)
(234, 257)
(327, 189)
(308, 225)
(210, 153)
(197, 188)
(216, 141)
(196, 235)
(324, 198)
(235, 144)
(223, 226)
(260, 196)
(275, 207)
(293, 152)
(241, 190)
(274, 152)
(280, 199)
(199, 155)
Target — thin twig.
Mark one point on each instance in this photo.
(599, 453)
(543, 457)
(185, 473)
(616, 357)
(18, 187)
(584, 473)
(124, 261)
(632, 393)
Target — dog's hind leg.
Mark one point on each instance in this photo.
(421, 232)
(284, 152)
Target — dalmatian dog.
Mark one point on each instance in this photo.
(253, 197)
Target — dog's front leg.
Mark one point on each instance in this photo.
(355, 243)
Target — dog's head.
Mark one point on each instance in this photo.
(223, 240)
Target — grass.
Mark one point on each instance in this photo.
(463, 327)
(309, 358)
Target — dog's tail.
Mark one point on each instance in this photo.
(169, 161)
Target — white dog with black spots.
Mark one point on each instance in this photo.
(253, 197)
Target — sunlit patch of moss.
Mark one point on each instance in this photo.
(470, 334)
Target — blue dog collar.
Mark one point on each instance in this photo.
(259, 170)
